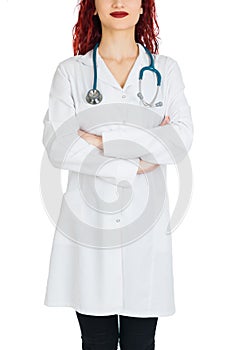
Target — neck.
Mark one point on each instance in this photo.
(117, 45)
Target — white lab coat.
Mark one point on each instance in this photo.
(105, 259)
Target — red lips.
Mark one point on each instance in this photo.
(119, 14)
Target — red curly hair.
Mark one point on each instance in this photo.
(87, 31)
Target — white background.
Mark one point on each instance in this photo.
(35, 36)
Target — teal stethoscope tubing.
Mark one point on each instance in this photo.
(95, 97)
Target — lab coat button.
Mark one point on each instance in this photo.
(123, 96)
(118, 220)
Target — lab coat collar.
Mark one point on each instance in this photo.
(104, 74)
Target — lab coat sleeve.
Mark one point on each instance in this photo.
(166, 144)
(67, 150)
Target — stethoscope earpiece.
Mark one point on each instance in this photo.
(94, 96)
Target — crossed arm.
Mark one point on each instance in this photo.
(96, 141)
(95, 155)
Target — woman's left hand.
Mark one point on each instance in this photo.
(93, 139)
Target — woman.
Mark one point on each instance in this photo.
(103, 281)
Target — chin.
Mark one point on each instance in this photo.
(121, 26)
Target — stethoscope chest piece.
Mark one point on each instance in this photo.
(94, 97)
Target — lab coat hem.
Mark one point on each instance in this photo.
(116, 311)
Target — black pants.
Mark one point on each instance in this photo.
(101, 332)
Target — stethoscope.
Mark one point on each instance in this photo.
(94, 96)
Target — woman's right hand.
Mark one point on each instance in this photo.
(145, 167)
